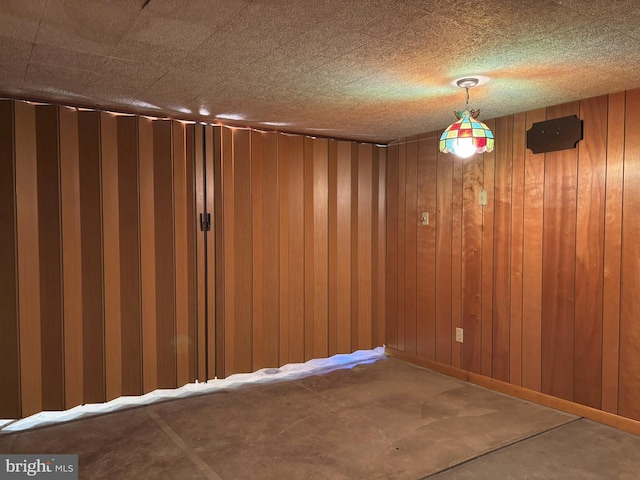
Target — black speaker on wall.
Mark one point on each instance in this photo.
(556, 134)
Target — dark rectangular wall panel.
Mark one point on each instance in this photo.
(129, 239)
(92, 273)
(9, 354)
(49, 242)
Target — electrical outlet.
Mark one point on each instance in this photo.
(459, 335)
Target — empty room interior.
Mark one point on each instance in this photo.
(338, 239)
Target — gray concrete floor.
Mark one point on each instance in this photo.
(385, 420)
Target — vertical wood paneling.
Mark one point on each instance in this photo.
(27, 225)
(129, 255)
(402, 228)
(444, 211)
(630, 279)
(258, 253)
(283, 245)
(243, 327)
(93, 327)
(148, 255)
(182, 340)
(558, 268)
(320, 283)
(270, 237)
(308, 249)
(215, 253)
(49, 241)
(191, 258)
(165, 263)
(333, 247)
(590, 253)
(426, 247)
(471, 355)
(228, 219)
(382, 247)
(456, 258)
(198, 139)
(71, 257)
(111, 262)
(296, 232)
(410, 245)
(487, 258)
(355, 163)
(532, 261)
(392, 246)
(517, 226)
(612, 252)
(365, 165)
(264, 188)
(501, 248)
(375, 265)
(9, 354)
(343, 246)
(533, 212)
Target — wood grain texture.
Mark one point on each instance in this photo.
(296, 241)
(488, 212)
(402, 229)
(410, 245)
(612, 252)
(216, 316)
(49, 241)
(444, 211)
(148, 256)
(243, 327)
(333, 247)
(355, 163)
(227, 174)
(426, 246)
(517, 248)
(374, 237)
(258, 254)
(165, 266)
(320, 283)
(9, 341)
(364, 298)
(456, 258)
(558, 268)
(28, 258)
(471, 349)
(592, 165)
(182, 339)
(532, 261)
(392, 245)
(93, 327)
(111, 252)
(629, 379)
(197, 137)
(501, 248)
(382, 247)
(309, 256)
(71, 257)
(129, 232)
(283, 246)
(192, 260)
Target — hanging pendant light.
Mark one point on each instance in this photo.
(468, 135)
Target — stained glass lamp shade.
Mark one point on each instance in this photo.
(468, 135)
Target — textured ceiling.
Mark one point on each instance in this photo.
(372, 70)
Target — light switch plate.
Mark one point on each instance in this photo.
(459, 335)
(424, 219)
(482, 198)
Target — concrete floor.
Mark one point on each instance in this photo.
(385, 420)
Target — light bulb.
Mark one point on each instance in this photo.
(464, 148)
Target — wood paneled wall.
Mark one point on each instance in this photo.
(544, 279)
(96, 257)
(108, 287)
(301, 248)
